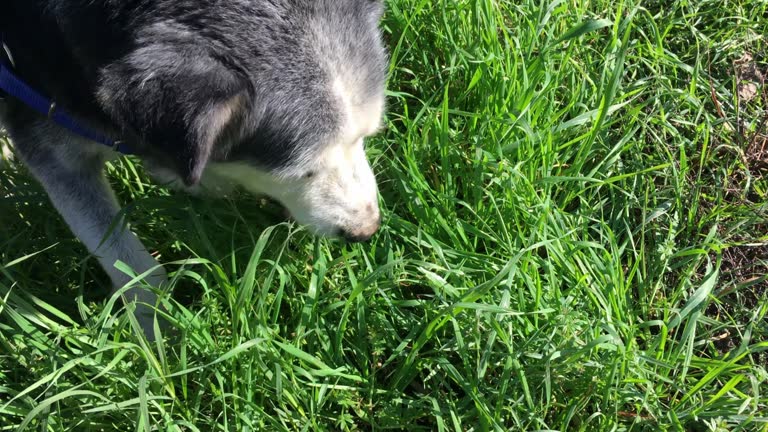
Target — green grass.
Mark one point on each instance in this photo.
(575, 238)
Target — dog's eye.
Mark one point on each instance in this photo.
(309, 174)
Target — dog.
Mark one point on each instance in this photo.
(273, 96)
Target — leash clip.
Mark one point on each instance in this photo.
(8, 54)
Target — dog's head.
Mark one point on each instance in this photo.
(277, 97)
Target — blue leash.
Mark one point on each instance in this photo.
(16, 87)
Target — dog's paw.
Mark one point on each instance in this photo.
(146, 307)
(153, 324)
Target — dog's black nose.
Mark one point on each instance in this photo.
(361, 233)
(356, 237)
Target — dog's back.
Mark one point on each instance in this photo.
(64, 48)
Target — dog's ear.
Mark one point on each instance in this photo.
(178, 100)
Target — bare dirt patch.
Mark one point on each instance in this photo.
(743, 284)
(751, 77)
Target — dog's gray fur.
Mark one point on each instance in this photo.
(271, 95)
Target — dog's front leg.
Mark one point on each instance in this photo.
(72, 173)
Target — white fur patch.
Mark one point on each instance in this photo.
(361, 118)
(334, 195)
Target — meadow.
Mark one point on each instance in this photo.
(575, 238)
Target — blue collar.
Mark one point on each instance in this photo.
(16, 87)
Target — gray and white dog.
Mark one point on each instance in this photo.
(275, 96)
